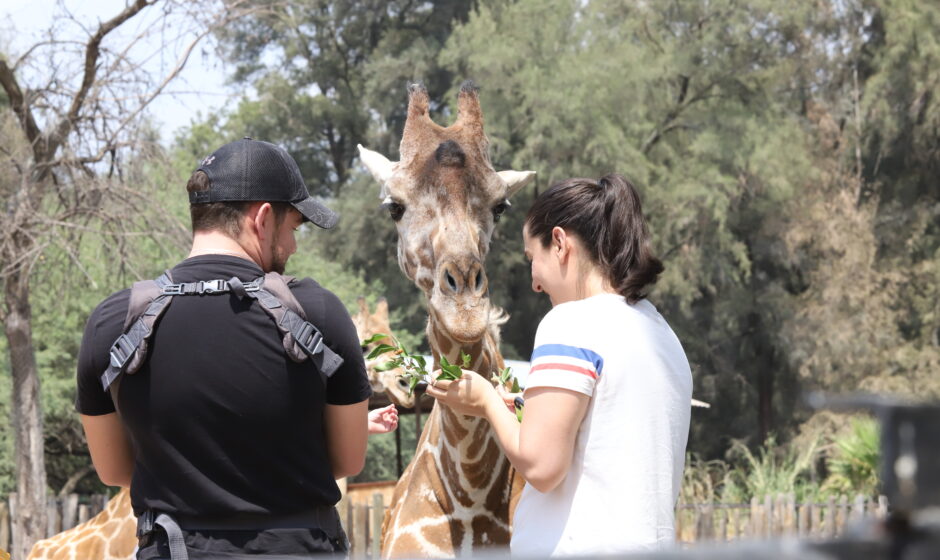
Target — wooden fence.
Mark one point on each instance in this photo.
(61, 514)
(774, 516)
(364, 508)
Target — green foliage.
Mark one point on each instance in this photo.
(853, 469)
(771, 471)
(702, 480)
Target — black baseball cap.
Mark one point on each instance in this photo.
(252, 170)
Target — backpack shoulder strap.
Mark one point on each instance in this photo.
(301, 338)
(146, 305)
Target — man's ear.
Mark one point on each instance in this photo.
(258, 214)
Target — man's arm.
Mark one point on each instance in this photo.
(111, 451)
(346, 436)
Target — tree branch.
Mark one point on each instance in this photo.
(92, 52)
(20, 107)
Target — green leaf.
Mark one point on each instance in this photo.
(379, 350)
(391, 364)
(465, 359)
(422, 363)
(448, 370)
(374, 338)
(515, 386)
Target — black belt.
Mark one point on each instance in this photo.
(321, 517)
(324, 518)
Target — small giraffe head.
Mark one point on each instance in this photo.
(388, 382)
(445, 198)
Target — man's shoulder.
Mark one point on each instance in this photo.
(317, 301)
(111, 308)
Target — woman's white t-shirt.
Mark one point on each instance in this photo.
(620, 493)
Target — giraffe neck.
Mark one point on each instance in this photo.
(110, 535)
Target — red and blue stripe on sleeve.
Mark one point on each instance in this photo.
(562, 357)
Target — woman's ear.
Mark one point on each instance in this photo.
(561, 243)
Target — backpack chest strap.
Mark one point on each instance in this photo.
(150, 299)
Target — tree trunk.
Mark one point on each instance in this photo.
(29, 524)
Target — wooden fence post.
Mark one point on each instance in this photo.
(4, 527)
(721, 534)
(378, 514)
(360, 530)
(842, 515)
(802, 523)
(735, 532)
(69, 511)
(706, 523)
(830, 518)
(767, 529)
(754, 521)
(882, 507)
(857, 513)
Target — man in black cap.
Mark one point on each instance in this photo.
(231, 412)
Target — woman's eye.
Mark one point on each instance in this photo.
(395, 210)
(499, 209)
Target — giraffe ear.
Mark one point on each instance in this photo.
(377, 164)
(515, 180)
(381, 309)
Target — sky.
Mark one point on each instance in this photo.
(199, 88)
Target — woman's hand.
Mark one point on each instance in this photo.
(470, 395)
(383, 420)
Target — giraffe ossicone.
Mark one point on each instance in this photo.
(445, 198)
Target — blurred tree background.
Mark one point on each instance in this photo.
(788, 155)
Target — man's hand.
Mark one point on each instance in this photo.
(383, 420)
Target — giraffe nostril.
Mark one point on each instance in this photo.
(451, 281)
(478, 285)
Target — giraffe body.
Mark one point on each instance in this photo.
(110, 535)
(445, 198)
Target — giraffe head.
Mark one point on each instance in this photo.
(389, 382)
(445, 198)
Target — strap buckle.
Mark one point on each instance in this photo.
(173, 290)
(310, 339)
(145, 523)
(213, 286)
(121, 352)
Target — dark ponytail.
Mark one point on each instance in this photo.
(607, 217)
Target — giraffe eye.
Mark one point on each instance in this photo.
(499, 209)
(395, 210)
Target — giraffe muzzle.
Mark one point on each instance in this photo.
(468, 280)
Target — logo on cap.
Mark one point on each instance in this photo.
(208, 160)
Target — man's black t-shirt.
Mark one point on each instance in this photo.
(222, 420)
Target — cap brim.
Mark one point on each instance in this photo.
(317, 213)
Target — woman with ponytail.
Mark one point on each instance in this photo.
(602, 442)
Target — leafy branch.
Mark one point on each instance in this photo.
(414, 366)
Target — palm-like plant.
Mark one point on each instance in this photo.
(853, 469)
